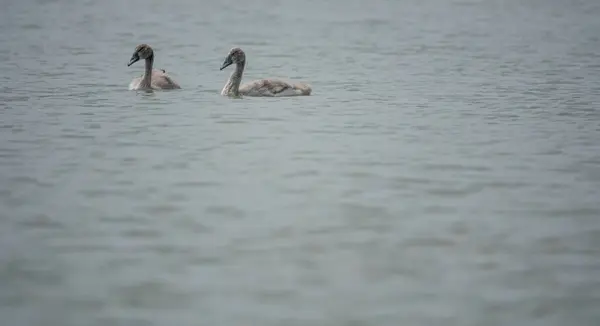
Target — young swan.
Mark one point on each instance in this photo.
(261, 87)
(152, 78)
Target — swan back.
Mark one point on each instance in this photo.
(275, 88)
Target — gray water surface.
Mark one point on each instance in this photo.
(445, 170)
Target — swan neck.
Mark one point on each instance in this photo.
(235, 79)
(147, 79)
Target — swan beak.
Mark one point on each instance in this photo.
(134, 59)
(228, 61)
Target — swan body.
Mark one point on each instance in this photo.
(274, 88)
(270, 87)
(159, 80)
(153, 79)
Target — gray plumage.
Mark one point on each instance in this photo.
(152, 78)
(271, 87)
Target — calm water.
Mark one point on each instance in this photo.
(446, 170)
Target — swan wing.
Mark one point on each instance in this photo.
(161, 80)
(274, 88)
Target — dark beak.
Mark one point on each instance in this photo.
(228, 61)
(134, 58)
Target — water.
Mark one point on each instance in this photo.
(445, 171)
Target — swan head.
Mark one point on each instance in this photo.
(236, 55)
(142, 51)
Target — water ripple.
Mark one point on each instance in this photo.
(444, 170)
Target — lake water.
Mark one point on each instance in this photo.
(445, 170)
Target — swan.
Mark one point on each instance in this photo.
(152, 78)
(261, 87)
